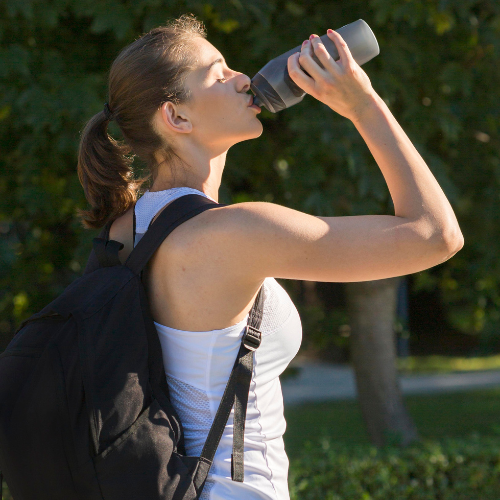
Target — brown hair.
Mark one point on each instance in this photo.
(148, 72)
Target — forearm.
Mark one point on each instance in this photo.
(415, 192)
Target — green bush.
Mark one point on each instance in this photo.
(448, 469)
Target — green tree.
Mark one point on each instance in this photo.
(437, 71)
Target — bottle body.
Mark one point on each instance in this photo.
(275, 90)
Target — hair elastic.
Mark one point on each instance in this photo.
(108, 112)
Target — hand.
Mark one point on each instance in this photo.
(342, 85)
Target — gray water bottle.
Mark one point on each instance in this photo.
(275, 90)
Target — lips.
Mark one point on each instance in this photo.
(251, 101)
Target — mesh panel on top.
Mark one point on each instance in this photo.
(277, 307)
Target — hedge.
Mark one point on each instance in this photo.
(448, 469)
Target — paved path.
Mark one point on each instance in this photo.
(319, 381)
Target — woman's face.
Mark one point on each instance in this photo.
(218, 112)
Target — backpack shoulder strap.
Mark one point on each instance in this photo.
(235, 393)
(177, 212)
(93, 262)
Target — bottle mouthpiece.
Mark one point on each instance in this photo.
(257, 101)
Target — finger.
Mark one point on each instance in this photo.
(309, 64)
(342, 48)
(305, 82)
(323, 55)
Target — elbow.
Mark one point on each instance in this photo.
(451, 241)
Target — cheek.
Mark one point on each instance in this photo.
(220, 108)
(223, 107)
(214, 102)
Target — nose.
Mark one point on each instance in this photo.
(247, 81)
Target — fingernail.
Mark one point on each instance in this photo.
(305, 42)
(329, 31)
(312, 36)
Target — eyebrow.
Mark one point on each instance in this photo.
(220, 60)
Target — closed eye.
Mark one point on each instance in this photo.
(220, 79)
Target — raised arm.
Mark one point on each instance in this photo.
(265, 239)
(416, 194)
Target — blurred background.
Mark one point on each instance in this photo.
(367, 432)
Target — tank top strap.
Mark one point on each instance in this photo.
(151, 202)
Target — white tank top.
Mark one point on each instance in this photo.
(197, 367)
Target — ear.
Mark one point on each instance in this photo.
(174, 118)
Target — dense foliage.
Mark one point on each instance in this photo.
(438, 70)
(450, 469)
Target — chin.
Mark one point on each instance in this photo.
(257, 133)
(260, 127)
(261, 130)
(251, 132)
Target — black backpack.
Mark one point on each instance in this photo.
(84, 404)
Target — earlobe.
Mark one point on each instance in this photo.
(174, 119)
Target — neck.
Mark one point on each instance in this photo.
(205, 178)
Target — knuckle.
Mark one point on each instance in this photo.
(321, 48)
(321, 88)
(325, 85)
(329, 80)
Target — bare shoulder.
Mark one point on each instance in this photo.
(224, 224)
(250, 238)
(258, 217)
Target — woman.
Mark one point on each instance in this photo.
(180, 108)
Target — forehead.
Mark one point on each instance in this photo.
(205, 54)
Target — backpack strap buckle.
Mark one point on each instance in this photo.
(251, 338)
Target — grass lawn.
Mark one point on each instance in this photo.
(437, 415)
(447, 364)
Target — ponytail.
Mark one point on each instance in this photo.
(105, 172)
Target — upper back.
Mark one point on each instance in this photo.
(190, 285)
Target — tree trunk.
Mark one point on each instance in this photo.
(371, 307)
